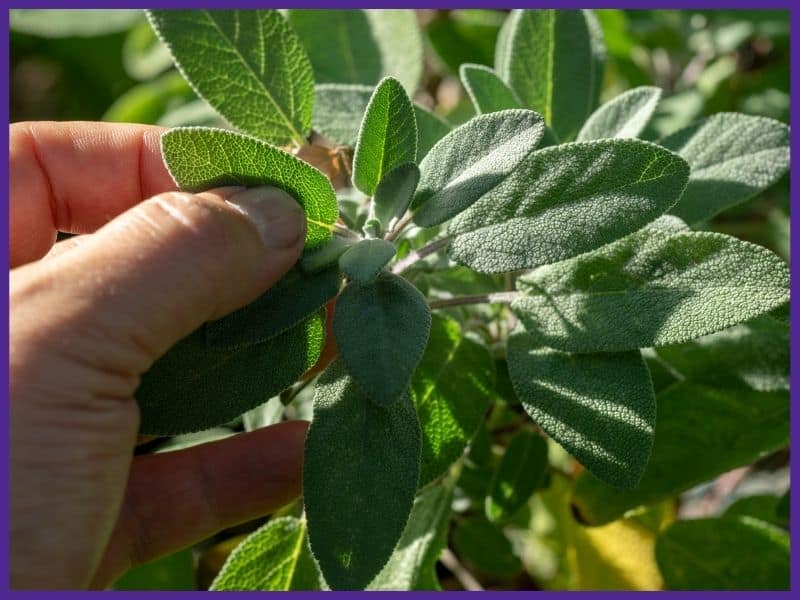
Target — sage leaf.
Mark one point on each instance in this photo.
(485, 547)
(625, 116)
(762, 507)
(784, 507)
(733, 157)
(452, 388)
(296, 296)
(521, 470)
(430, 129)
(686, 451)
(412, 565)
(566, 200)
(739, 553)
(381, 330)
(201, 158)
(248, 64)
(363, 261)
(195, 386)
(599, 407)
(51, 23)
(472, 160)
(486, 90)
(173, 572)
(387, 137)
(273, 558)
(361, 46)
(550, 60)
(321, 258)
(359, 479)
(652, 288)
(393, 194)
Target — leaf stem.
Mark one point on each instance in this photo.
(344, 232)
(464, 577)
(495, 298)
(399, 226)
(418, 255)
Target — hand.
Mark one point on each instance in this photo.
(89, 315)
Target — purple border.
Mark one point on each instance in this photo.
(645, 4)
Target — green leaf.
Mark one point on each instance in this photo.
(194, 113)
(296, 296)
(363, 261)
(520, 472)
(548, 57)
(754, 355)
(201, 158)
(566, 200)
(71, 22)
(599, 407)
(359, 479)
(393, 194)
(273, 558)
(486, 90)
(652, 288)
(452, 389)
(248, 64)
(319, 259)
(723, 554)
(761, 507)
(361, 46)
(733, 157)
(195, 386)
(412, 565)
(143, 54)
(430, 129)
(625, 116)
(784, 507)
(148, 102)
(465, 36)
(484, 545)
(687, 450)
(472, 160)
(171, 572)
(381, 330)
(387, 137)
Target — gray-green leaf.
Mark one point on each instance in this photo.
(381, 330)
(731, 553)
(521, 470)
(599, 407)
(273, 558)
(393, 194)
(248, 64)
(566, 200)
(387, 137)
(625, 116)
(201, 158)
(733, 157)
(451, 388)
(486, 90)
(363, 261)
(472, 160)
(548, 58)
(359, 479)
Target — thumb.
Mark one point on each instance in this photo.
(157, 272)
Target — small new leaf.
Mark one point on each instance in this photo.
(486, 90)
(623, 117)
(363, 261)
(521, 470)
(394, 193)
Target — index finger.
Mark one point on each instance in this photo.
(75, 177)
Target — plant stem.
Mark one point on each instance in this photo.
(418, 255)
(495, 298)
(464, 577)
(399, 226)
(345, 232)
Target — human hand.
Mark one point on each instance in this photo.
(89, 315)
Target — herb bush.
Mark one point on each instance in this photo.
(533, 284)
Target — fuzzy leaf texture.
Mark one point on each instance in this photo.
(472, 160)
(195, 386)
(362, 262)
(273, 558)
(413, 563)
(652, 288)
(731, 553)
(599, 407)
(686, 451)
(550, 60)
(381, 330)
(393, 194)
(387, 137)
(296, 296)
(361, 46)
(201, 158)
(733, 157)
(625, 116)
(521, 471)
(248, 64)
(486, 90)
(452, 389)
(566, 200)
(359, 479)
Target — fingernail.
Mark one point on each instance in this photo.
(277, 216)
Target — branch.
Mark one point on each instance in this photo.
(495, 298)
(418, 255)
(399, 226)
(464, 577)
